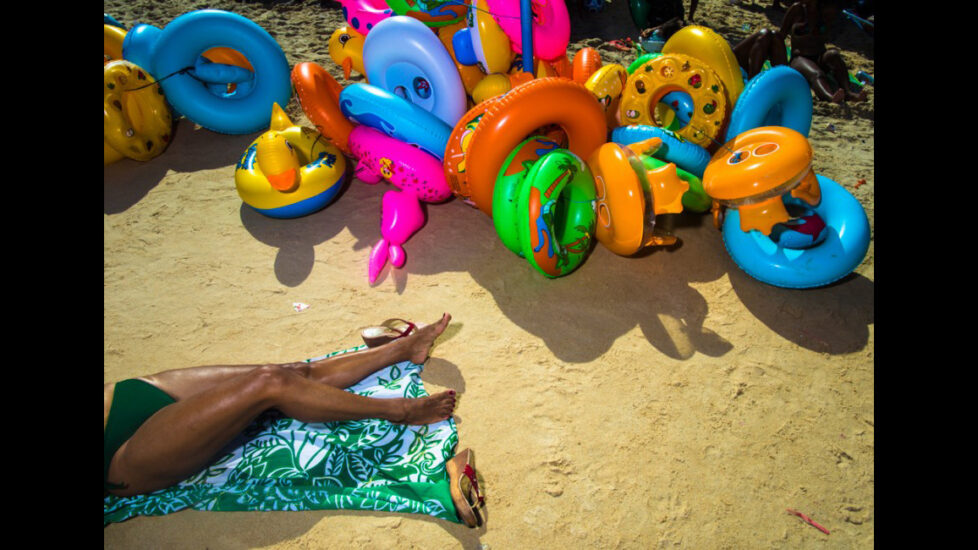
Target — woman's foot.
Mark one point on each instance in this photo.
(425, 410)
(839, 96)
(417, 345)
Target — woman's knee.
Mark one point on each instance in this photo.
(272, 380)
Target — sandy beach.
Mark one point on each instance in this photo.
(667, 400)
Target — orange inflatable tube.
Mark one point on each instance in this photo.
(319, 96)
(586, 62)
(507, 120)
(228, 56)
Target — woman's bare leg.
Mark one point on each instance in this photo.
(340, 371)
(182, 438)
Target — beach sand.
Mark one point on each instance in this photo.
(665, 400)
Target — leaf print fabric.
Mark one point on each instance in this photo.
(279, 463)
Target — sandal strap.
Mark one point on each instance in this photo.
(470, 473)
(410, 326)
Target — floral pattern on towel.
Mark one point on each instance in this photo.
(283, 464)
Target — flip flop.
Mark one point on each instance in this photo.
(387, 332)
(462, 483)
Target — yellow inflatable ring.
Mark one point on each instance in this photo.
(112, 38)
(289, 171)
(676, 73)
(607, 84)
(712, 49)
(137, 120)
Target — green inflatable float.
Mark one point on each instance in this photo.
(543, 206)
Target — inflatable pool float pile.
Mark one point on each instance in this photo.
(560, 152)
(395, 128)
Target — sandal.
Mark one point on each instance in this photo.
(462, 483)
(386, 332)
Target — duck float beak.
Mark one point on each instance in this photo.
(284, 181)
(276, 158)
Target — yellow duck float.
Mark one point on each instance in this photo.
(346, 49)
(289, 171)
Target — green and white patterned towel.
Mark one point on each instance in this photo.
(279, 463)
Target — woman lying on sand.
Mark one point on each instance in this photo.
(163, 428)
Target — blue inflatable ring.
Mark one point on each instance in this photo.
(403, 56)
(109, 20)
(180, 45)
(684, 154)
(843, 249)
(779, 96)
(383, 111)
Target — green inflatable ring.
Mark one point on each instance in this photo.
(551, 222)
(642, 60)
(696, 198)
(505, 194)
(432, 8)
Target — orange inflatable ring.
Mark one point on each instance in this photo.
(319, 96)
(648, 84)
(507, 120)
(752, 171)
(629, 196)
(455, 163)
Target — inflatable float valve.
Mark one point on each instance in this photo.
(752, 171)
(275, 156)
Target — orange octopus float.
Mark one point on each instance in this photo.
(629, 196)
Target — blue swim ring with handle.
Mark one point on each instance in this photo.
(835, 254)
(180, 44)
(403, 56)
(139, 47)
(779, 96)
(383, 111)
(684, 154)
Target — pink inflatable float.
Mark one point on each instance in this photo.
(551, 26)
(419, 177)
(362, 15)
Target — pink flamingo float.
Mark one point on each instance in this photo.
(362, 15)
(419, 177)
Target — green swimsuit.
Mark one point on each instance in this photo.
(133, 402)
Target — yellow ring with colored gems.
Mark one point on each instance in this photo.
(676, 73)
(137, 121)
